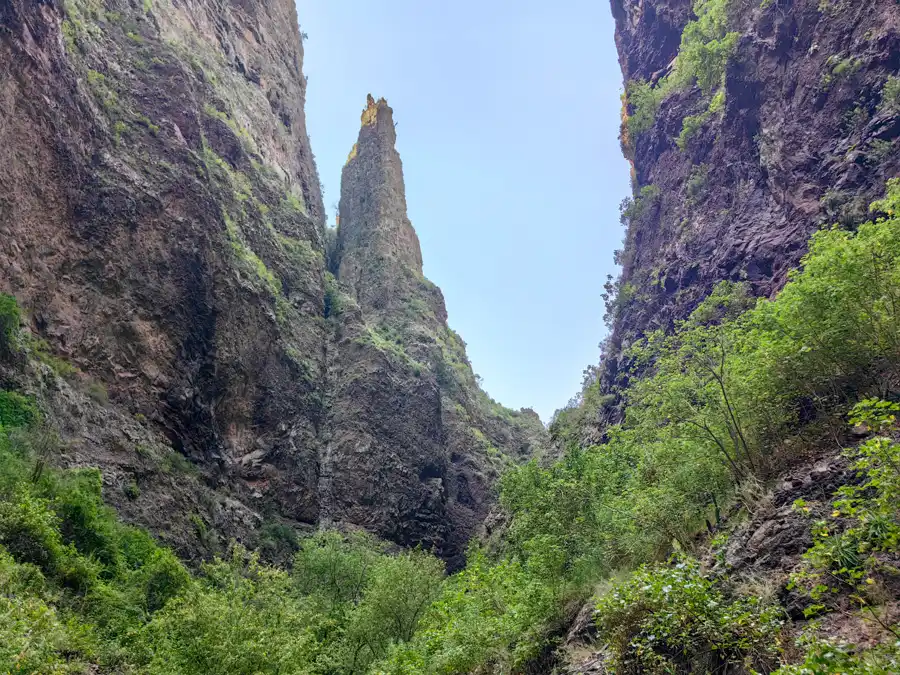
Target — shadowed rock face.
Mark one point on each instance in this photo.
(803, 140)
(161, 224)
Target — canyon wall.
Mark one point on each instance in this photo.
(162, 227)
(804, 134)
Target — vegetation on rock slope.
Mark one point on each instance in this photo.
(722, 403)
(725, 100)
(728, 389)
(706, 46)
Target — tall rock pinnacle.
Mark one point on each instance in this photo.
(413, 444)
(377, 246)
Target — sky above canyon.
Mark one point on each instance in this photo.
(507, 123)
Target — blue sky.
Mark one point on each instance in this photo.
(507, 122)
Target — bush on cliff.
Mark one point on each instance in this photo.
(706, 47)
(672, 619)
(9, 325)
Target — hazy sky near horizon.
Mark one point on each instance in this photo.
(507, 124)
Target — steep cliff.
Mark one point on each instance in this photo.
(161, 224)
(749, 125)
(162, 228)
(405, 403)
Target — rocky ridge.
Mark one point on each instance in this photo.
(440, 440)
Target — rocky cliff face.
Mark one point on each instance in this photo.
(161, 224)
(807, 136)
(406, 405)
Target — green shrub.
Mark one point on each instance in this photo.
(84, 520)
(397, 596)
(163, 577)
(277, 540)
(110, 573)
(695, 187)
(132, 490)
(643, 100)
(17, 410)
(41, 351)
(241, 618)
(10, 318)
(831, 657)
(136, 547)
(846, 67)
(693, 123)
(846, 556)
(706, 47)
(566, 423)
(34, 639)
(334, 567)
(671, 619)
(837, 69)
(333, 296)
(890, 96)
(647, 198)
(490, 616)
(29, 531)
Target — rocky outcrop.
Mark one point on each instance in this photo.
(377, 248)
(161, 224)
(406, 407)
(807, 136)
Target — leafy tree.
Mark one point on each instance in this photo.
(241, 618)
(491, 615)
(17, 410)
(400, 590)
(335, 567)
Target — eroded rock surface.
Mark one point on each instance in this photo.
(161, 224)
(806, 138)
(405, 403)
